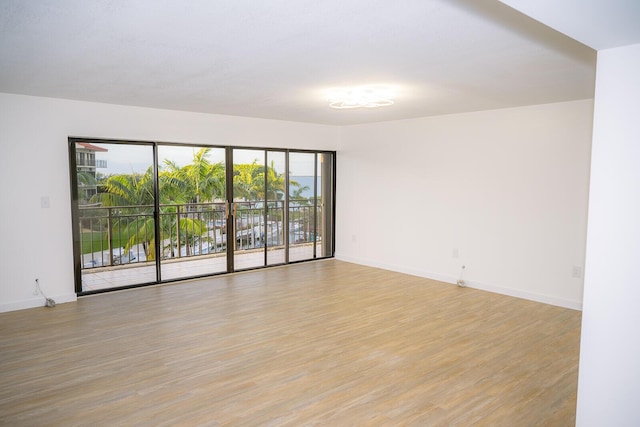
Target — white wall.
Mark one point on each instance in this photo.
(36, 242)
(507, 188)
(609, 381)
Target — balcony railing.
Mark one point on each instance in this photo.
(91, 162)
(85, 161)
(120, 235)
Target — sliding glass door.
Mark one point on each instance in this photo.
(302, 212)
(115, 222)
(276, 185)
(324, 205)
(310, 205)
(259, 188)
(193, 226)
(147, 212)
(249, 208)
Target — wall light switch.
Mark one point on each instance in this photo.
(455, 253)
(44, 202)
(576, 272)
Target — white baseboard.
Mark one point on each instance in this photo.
(36, 302)
(531, 296)
(518, 293)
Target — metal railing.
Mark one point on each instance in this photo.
(112, 236)
(84, 161)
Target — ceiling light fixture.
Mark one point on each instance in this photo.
(361, 97)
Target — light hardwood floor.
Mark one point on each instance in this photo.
(322, 343)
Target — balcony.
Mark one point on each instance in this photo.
(85, 162)
(118, 245)
(91, 162)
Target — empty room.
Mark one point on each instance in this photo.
(319, 213)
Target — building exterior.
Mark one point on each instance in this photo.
(86, 165)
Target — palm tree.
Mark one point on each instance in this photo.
(275, 183)
(133, 195)
(127, 190)
(173, 188)
(200, 181)
(245, 181)
(297, 194)
(87, 184)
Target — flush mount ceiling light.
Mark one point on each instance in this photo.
(360, 97)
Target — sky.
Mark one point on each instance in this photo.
(128, 158)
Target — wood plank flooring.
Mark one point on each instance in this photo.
(322, 343)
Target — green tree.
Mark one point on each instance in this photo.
(198, 182)
(297, 193)
(275, 183)
(249, 180)
(133, 196)
(245, 181)
(127, 190)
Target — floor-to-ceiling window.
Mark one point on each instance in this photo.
(275, 190)
(193, 226)
(249, 207)
(147, 212)
(115, 223)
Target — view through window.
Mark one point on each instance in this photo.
(148, 212)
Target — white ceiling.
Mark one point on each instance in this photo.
(600, 24)
(276, 59)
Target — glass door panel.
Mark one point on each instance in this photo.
(324, 206)
(249, 208)
(302, 214)
(192, 217)
(115, 214)
(276, 190)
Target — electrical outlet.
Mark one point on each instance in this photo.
(461, 282)
(35, 288)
